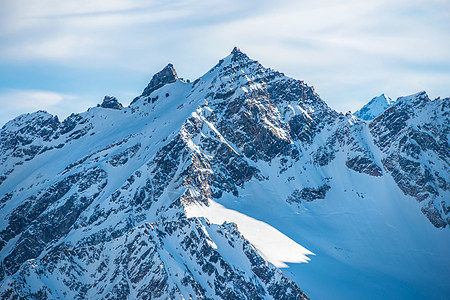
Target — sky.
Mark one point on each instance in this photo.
(65, 56)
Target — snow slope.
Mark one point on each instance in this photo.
(369, 243)
(374, 108)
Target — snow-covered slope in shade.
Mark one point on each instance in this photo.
(136, 202)
(369, 240)
(374, 108)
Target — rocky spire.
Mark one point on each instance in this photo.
(236, 50)
(239, 56)
(111, 102)
(163, 77)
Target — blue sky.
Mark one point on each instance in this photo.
(64, 56)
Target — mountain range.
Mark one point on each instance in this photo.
(243, 184)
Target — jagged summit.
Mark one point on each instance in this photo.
(163, 77)
(236, 50)
(238, 55)
(379, 104)
(414, 98)
(111, 102)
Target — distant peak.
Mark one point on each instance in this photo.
(421, 94)
(415, 99)
(170, 67)
(163, 77)
(111, 102)
(374, 108)
(382, 99)
(238, 56)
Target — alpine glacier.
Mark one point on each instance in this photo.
(243, 184)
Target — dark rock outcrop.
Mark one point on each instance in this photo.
(163, 77)
(111, 102)
(309, 194)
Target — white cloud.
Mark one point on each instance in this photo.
(16, 102)
(30, 100)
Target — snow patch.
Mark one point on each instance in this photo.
(273, 245)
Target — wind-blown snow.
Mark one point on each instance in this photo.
(273, 245)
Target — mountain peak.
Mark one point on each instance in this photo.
(163, 77)
(419, 95)
(236, 50)
(415, 100)
(375, 107)
(238, 55)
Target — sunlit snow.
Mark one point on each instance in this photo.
(273, 245)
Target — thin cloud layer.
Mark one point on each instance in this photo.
(349, 50)
(30, 100)
(18, 102)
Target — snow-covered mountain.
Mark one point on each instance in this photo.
(243, 184)
(374, 108)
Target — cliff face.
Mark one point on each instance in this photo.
(163, 77)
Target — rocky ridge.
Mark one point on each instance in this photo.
(127, 194)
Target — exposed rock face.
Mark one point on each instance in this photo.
(364, 165)
(309, 194)
(141, 263)
(37, 222)
(109, 221)
(163, 77)
(23, 138)
(111, 102)
(413, 134)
